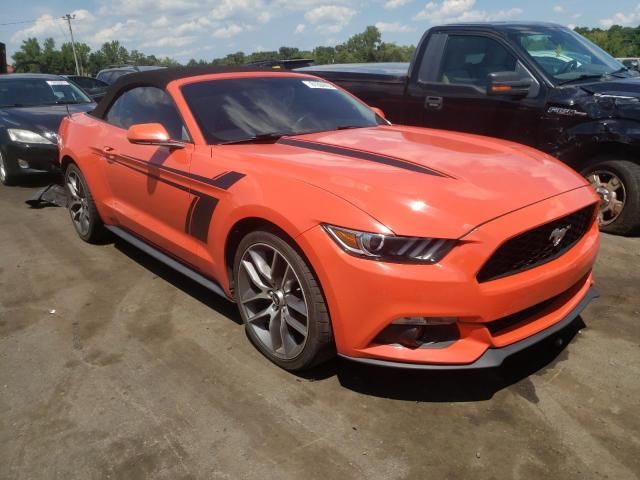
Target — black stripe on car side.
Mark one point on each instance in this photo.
(187, 220)
(200, 213)
(223, 181)
(370, 156)
(201, 217)
(155, 177)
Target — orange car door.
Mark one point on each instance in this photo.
(150, 184)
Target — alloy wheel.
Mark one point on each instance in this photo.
(272, 301)
(78, 203)
(612, 195)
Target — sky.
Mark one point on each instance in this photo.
(184, 29)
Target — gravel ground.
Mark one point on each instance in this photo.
(112, 366)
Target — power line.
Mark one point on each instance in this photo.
(18, 23)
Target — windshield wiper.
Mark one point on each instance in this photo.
(596, 75)
(68, 102)
(261, 137)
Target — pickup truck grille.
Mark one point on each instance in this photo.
(537, 246)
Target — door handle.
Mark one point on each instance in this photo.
(433, 103)
(108, 153)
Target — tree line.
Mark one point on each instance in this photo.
(366, 46)
(618, 41)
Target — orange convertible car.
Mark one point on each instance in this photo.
(333, 230)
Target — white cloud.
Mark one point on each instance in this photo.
(162, 21)
(173, 41)
(395, 27)
(449, 11)
(625, 19)
(226, 9)
(330, 18)
(558, 9)
(229, 31)
(192, 26)
(143, 7)
(50, 26)
(391, 4)
(299, 28)
(120, 31)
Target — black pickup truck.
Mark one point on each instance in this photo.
(538, 84)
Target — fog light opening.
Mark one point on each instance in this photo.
(418, 332)
(23, 163)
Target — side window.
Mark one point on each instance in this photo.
(147, 105)
(468, 60)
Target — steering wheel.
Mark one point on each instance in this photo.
(569, 66)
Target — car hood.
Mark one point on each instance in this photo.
(620, 86)
(422, 182)
(40, 118)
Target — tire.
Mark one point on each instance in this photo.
(278, 333)
(601, 172)
(6, 178)
(82, 208)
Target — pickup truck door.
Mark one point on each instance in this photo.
(449, 88)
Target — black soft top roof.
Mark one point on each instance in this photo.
(161, 78)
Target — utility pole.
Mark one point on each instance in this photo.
(68, 18)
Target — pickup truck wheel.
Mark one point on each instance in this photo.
(618, 184)
(82, 208)
(281, 303)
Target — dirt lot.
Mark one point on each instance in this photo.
(139, 373)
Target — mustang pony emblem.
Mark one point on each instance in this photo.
(558, 234)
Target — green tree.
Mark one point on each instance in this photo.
(28, 57)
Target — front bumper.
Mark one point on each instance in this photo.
(492, 357)
(364, 297)
(39, 158)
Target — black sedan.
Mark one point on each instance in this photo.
(31, 109)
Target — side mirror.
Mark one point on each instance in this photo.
(508, 84)
(378, 112)
(151, 134)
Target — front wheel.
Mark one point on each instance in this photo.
(281, 303)
(618, 184)
(6, 178)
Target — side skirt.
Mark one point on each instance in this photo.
(168, 261)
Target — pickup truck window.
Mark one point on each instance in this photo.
(468, 60)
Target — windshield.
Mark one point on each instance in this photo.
(242, 109)
(31, 92)
(566, 55)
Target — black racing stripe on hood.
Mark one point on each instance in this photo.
(362, 155)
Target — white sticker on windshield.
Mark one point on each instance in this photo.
(57, 82)
(314, 84)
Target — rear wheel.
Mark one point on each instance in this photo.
(82, 208)
(618, 184)
(281, 303)
(6, 178)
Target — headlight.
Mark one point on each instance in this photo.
(27, 136)
(390, 247)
